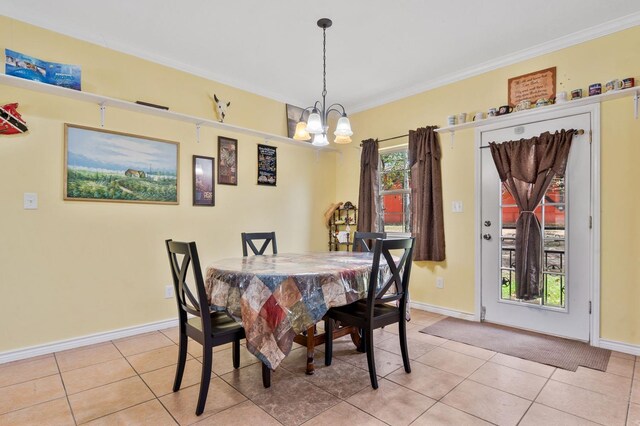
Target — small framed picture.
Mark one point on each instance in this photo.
(267, 165)
(227, 161)
(203, 188)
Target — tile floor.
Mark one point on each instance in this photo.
(128, 382)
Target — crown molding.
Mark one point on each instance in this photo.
(572, 39)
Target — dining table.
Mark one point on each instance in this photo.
(278, 298)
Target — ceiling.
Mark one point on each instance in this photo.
(377, 50)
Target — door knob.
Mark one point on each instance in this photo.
(487, 237)
(487, 223)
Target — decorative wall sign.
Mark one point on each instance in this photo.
(267, 165)
(30, 68)
(533, 86)
(11, 122)
(227, 161)
(293, 116)
(101, 165)
(203, 187)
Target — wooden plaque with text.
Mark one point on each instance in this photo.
(533, 86)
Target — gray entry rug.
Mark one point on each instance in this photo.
(550, 350)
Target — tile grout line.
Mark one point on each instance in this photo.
(533, 401)
(66, 395)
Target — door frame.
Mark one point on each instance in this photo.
(594, 255)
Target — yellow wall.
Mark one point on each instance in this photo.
(614, 56)
(72, 268)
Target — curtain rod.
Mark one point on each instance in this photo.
(575, 132)
(390, 139)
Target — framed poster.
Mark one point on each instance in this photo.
(294, 114)
(203, 187)
(101, 165)
(267, 165)
(227, 161)
(533, 86)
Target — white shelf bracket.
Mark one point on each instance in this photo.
(103, 110)
(197, 132)
(635, 103)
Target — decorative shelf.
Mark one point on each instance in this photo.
(105, 101)
(614, 94)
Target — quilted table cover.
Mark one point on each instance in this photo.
(278, 296)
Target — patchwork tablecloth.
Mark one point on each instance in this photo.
(278, 296)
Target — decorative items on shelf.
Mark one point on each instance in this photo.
(24, 66)
(11, 122)
(341, 217)
(221, 107)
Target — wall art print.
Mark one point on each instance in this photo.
(24, 66)
(227, 161)
(102, 165)
(203, 187)
(267, 165)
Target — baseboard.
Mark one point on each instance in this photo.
(627, 348)
(91, 339)
(443, 311)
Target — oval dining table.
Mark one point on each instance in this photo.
(280, 297)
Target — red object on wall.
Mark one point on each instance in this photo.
(11, 121)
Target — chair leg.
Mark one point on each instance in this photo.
(182, 359)
(402, 326)
(266, 376)
(236, 353)
(362, 348)
(328, 341)
(207, 358)
(370, 358)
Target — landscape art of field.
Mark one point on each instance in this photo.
(110, 166)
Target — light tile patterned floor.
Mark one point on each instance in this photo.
(128, 382)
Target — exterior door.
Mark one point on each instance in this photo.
(565, 218)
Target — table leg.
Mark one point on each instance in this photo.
(311, 345)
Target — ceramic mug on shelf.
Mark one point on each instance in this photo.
(561, 97)
(451, 120)
(523, 105)
(614, 84)
(576, 94)
(595, 89)
(629, 82)
(505, 109)
(462, 118)
(492, 112)
(479, 116)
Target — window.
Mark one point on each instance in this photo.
(395, 192)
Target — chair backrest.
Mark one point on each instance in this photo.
(364, 241)
(249, 237)
(399, 272)
(183, 257)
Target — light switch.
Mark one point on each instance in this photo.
(456, 206)
(30, 200)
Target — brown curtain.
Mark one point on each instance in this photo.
(427, 222)
(526, 168)
(368, 193)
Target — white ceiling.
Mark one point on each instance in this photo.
(377, 50)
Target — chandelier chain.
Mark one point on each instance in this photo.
(324, 62)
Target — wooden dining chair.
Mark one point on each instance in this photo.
(376, 311)
(363, 241)
(249, 237)
(205, 327)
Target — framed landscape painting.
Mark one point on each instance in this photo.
(102, 165)
(227, 161)
(203, 188)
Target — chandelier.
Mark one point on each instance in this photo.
(317, 123)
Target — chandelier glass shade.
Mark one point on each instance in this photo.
(316, 126)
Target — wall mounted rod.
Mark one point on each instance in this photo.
(575, 132)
